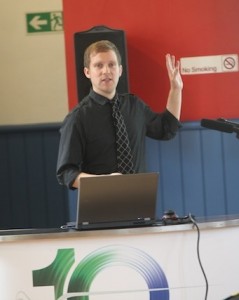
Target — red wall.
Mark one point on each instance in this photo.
(153, 28)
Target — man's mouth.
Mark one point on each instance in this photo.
(106, 79)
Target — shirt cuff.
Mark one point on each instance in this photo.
(176, 123)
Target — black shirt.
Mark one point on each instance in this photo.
(87, 141)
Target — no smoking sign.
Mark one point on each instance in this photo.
(209, 64)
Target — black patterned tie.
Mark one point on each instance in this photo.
(124, 155)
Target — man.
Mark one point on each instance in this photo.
(88, 145)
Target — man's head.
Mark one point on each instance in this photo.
(102, 65)
(100, 46)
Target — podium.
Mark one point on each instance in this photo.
(157, 262)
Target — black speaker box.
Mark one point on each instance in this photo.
(82, 40)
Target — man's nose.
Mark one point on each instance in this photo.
(106, 69)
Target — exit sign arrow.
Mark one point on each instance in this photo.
(36, 22)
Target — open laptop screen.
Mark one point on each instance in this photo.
(105, 201)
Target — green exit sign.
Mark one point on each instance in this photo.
(44, 22)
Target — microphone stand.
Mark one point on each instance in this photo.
(234, 125)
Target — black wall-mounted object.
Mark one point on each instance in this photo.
(83, 39)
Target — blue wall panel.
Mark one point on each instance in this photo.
(171, 177)
(36, 175)
(17, 174)
(213, 172)
(231, 173)
(198, 171)
(5, 192)
(192, 179)
(30, 196)
(57, 207)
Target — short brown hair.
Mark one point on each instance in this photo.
(100, 46)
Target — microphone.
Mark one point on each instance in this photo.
(236, 125)
(217, 125)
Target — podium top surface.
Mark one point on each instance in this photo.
(203, 223)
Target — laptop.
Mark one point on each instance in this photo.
(117, 201)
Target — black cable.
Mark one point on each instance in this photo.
(198, 253)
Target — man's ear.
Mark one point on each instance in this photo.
(87, 73)
(121, 70)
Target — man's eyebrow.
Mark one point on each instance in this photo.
(101, 62)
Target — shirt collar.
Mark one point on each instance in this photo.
(99, 98)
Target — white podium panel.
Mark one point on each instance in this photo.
(144, 264)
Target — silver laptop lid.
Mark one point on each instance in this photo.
(117, 198)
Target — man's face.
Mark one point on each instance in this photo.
(104, 72)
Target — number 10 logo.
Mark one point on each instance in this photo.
(85, 272)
